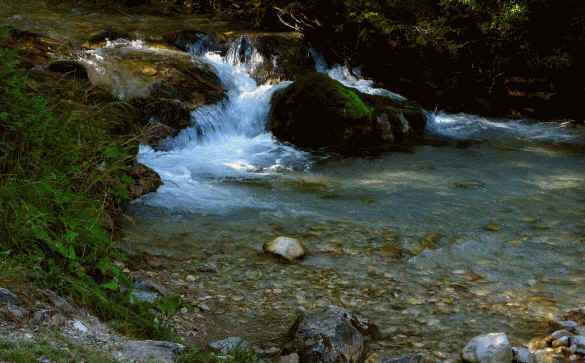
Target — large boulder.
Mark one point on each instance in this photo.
(317, 111)
(333, 335)
(166, 85)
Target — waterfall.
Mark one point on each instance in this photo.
(227, 141)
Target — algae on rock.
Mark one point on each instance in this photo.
(317, 111)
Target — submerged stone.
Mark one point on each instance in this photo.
(285, 247)
(488, 348)
(492, 227)
(317, 111)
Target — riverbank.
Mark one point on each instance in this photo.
(431, 244)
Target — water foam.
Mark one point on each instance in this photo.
(226, 141)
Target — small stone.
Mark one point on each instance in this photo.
(547, 355)
(12, 312)
(522, 355)
(560, 333)
(528, 220)
(208, 267)
(57, 320)
(577, 344)
(391, 235)
(80, 326)
(433, 237)
(227, 345)
(265, 353)
(469, 184)
(190, 278)
(392, 250)
(563, 324)
(203, 307)
(291, 358)
(152, 351)
(492, 227)
(561, 342)
(7, 296)
(537, 343)
(332, 248)
(285, 247)
(488, 348)
(149, 71)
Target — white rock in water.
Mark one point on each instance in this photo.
(522, 355)
(286, 247)
(488, 348)
(80, 326)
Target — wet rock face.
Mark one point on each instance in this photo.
(488, 348)
(285, 58)
(333, 335)
(319, 112)
(164, 85)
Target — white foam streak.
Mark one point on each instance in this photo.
(465, 126)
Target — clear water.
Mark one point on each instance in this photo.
(230, 187)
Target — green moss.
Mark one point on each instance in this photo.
(354, 107)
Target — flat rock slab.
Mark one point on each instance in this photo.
(151, 350)
(229, 344)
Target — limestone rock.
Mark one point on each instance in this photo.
(522, 355)
(547, 355)
(317, 111)
(163, 84)
(332, 335)
(151, 350)
(285, 247)
(291, 358)
(229, 344)
(577, 344)
(12, 312)
(6, 296)
(563, 324)
(488, 348)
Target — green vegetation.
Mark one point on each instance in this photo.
(44, 347)
(67, 171)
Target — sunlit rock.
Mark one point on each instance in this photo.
(488, 348)
(522, 355)
(285, 247)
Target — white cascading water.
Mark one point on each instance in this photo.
(456, 126)
(228, 141)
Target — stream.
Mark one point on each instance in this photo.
(434, 246)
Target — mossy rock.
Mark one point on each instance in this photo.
(319, 112)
